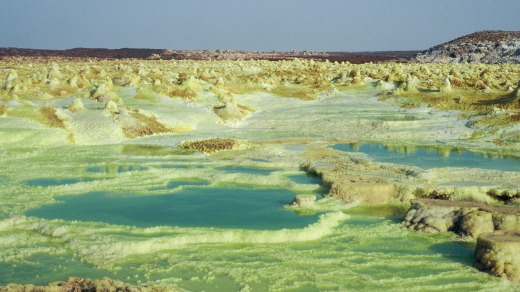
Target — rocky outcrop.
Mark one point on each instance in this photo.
(489, 47)
(231, 110)
(86, 285)
(136, 123)
(3, 109)
(76, 106)
(214, 145)
(469, 219)
(497, 253)
(497, 229)
(303, 200)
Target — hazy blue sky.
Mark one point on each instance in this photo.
(285, 25)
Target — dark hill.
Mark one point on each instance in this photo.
(489, 47)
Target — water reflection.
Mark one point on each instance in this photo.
(247, 170)
(186, 182)
(432, 156)
(46, 182)
(153, 150)
(191, 207)
(114, 168)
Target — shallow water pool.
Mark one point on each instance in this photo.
(431, 157)
(189, 207)
(247, 170)
(306, 178)
(45, 182)
(205, 228)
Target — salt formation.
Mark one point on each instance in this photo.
(497, 253)
(101, 253)
(50, 117)
(342, 78)
(303, 79)
(464, 218)
(103, 94)
(231, 110)
(446, 85)
(111, 107)
(135, 123)
(214, 145)
(73, 81)
(380, 84)
(303, 201)
(10, 80)
(517, 91)
(54, 72)
(54, 84)
(99, 91)
(299, 105)
(76, 106)
(192, 83)
(3, 109)
(411, 84)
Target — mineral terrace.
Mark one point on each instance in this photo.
(290, 113)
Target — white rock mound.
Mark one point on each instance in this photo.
(488, 47)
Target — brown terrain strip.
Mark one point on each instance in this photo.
(155, 54)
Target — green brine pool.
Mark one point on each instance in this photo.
(191, 207)
(219, 226)
(432, 157)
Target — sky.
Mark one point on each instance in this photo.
(266, 25)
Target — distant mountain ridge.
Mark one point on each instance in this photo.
(491, 47)
(168, 54)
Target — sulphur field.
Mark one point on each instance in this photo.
(183, 174)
